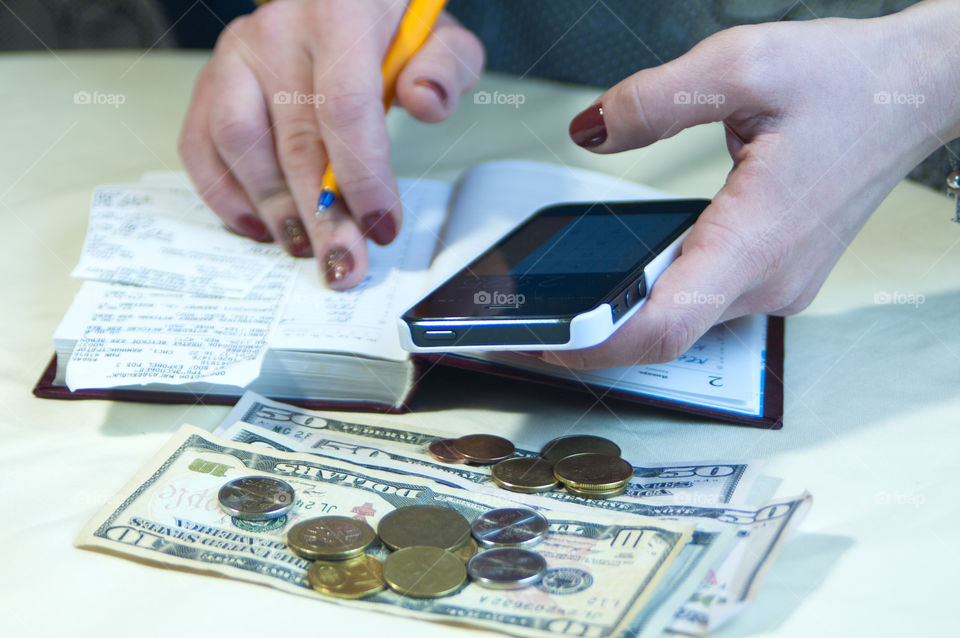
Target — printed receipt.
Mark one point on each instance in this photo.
(166, 238)
(134, 335)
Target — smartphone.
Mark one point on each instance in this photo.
(565, 279)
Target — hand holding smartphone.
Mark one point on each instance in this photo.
(565, 279)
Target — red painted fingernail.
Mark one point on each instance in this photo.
(295, 237)
(338, 265)
(251, 226)
(588, 129)
(434, 86)
(380, 227)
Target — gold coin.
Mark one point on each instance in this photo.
(424, 572)
(593, 471)
(354, 578)
(578, 444)
(526, 475)
(484, 448)
(431, 525)
(466, 551)
(597, 493)
(444, 451)
(330, 538)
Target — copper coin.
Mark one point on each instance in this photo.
(598, 493)
(593, 471)
(444, 450)
(484, 448)
(524, 474)
(578, 444)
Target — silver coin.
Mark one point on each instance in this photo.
(509, 527)
(506, 568)
(256, 498)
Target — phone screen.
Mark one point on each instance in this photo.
(562, 261)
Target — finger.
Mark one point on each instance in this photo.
(213, 180)
(718, 262)
(353, 126)
(448, 65)
(658, 103)
(341, 249)
(241, 131)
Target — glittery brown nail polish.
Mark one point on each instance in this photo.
(380, 227)
(588, 128)
(338, 265)
(295, 237)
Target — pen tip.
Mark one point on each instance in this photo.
(325, 201)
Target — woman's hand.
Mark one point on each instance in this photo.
(822, 119)
(298, 83)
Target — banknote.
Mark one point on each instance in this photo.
(734, 581)
(731, 583)
(168, 513)
(376, 441)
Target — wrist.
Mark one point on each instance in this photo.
(928, 33)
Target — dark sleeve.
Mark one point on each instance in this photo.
(197, 24)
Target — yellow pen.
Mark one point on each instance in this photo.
(414, 29)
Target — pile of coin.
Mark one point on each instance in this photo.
(434, 550)
(586, 465)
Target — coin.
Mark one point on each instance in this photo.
(424, 572)
(431, 525)
(506, 568)
(526, 475)
(466, 551)
(484, 448)
(597, 493)
(256, 498)
(578, 444)
(444, 451)
(593, 471)
(354, 578)
(509, 527)
(330, 538)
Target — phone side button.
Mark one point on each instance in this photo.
(440, 334)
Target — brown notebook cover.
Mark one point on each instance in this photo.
(47, 389)
(772, 409)
(772, 417)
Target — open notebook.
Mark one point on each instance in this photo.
(175, 308)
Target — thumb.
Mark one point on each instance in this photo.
(714, 268)
(448, 64)
(658, 103)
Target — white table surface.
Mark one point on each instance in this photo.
(872, 401)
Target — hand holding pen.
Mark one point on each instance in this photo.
(299, 88)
